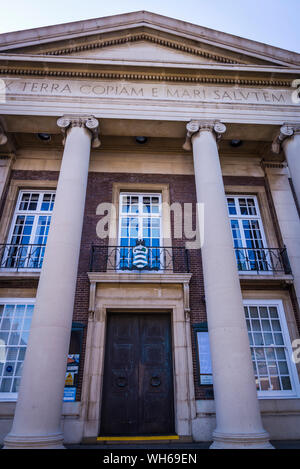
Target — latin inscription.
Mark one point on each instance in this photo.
(13, 87)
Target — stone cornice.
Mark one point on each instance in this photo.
(144, 76)
(130, 21)
(139, 278)
(144, 37)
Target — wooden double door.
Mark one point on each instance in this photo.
(138, 376)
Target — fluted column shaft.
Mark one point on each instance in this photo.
(237, 410)
(38, 411)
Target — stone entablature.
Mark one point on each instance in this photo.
(75, 88)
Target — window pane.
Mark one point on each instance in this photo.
(251, 207)
(24, 202)
(243, 207)
(143, 226)
(273, 312)
(253, 312)
(266, 325)
(48, 202)
(29, 230)
(255, 325)
(268, 351)
(270, 354)
(278, 339)
(276, 326)
(231, 206)
(16, 385)
(263, 311)
(5, 385)
(286, 383)
(268, 339)
(280, 353)
(14, 331)
(275, 383)
(283, 368)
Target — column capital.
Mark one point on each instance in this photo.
(286, 131)
(195, 126)
(89, 122)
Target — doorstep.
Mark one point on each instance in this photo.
(157, 439)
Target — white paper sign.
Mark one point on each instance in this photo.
(204, 358)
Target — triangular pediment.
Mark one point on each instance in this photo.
(143, 37)
(144, 51)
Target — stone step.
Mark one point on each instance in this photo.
(137, 440)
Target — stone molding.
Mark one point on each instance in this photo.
(89, 122)
(286, 131)
(51, 441)
(169, 43)
(195, 126)
(177, 78)
(116, 277)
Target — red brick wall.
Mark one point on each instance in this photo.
(182, 190)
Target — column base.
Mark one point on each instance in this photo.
(241, 441)
(54, 441)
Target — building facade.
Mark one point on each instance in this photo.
(150, 235)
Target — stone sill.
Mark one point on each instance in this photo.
(278, 406)
(141, 277)
(69, 409)
(259, 279)
(14, 274)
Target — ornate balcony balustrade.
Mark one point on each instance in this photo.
(21, 256)
(262, 260)
(153, 259)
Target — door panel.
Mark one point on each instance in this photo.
(138, 379)
(119, 412)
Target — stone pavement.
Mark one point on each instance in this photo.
(282, 444)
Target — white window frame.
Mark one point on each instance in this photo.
(241, 217)
(141, 216)
(36, 214)
(13, 396)
(293, 374)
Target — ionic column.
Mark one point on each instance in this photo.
(277, 175)
(237, 410)
(289, 139)
(38, 411)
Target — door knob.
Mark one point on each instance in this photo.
(121, 381)
(155, 381)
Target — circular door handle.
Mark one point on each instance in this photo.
(121, 381)
(155, 381)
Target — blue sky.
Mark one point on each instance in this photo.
(274, 22)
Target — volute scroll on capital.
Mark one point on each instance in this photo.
(193, 127)
(286, 131)
(89, 122)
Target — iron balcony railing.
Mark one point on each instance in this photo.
(122, 258)
(262, 260)
(172, 259)
(21, 256)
